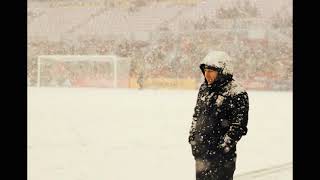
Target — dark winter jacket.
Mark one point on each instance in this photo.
(221, 114)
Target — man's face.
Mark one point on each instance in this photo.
(210, 75)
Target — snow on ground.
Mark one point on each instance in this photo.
(121, 134)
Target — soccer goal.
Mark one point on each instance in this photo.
(83, 71)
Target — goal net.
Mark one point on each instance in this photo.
(83, 71)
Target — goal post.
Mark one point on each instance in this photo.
(98, 70)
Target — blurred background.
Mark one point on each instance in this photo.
(163, 41)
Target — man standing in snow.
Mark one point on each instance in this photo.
(219, 121)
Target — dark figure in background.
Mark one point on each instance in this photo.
(219, 121)
(140, 80)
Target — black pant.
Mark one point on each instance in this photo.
(215, 169)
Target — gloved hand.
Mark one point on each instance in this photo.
(191, 139)
(227, 144)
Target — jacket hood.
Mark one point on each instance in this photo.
(220, 60)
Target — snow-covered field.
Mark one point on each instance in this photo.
(121, 134)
